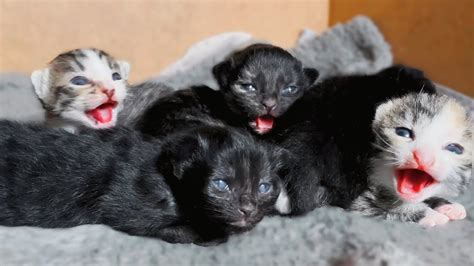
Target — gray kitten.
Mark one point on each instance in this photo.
(424, 155)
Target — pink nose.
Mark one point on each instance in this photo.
(108, 92)
(423, 159)
(270, 103)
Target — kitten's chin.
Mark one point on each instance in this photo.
(241, 223)
(244, 224)
(241, 226)
(412, 184)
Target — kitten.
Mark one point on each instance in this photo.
(256, 85)
(424, 155)
(328, 134)
(261, 82)
(82, 87)
(198, 186)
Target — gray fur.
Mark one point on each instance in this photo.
(18, 101)
(356, 47)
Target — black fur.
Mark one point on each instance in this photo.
(117, 177)
(435, 202)
(329, 133)
(269, 69)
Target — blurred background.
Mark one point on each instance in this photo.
(434, 35)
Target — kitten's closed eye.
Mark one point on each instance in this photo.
(80, 80)
(116, 76)
(221, 184)
(290, 90)
(455, 148)
(404, 132)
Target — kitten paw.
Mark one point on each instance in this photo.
(453, 211)
(433, 218)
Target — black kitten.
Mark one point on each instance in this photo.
(262, 82)
(256, 84)
(197, 186)
(328, 131)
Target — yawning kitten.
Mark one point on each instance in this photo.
(424, 155)
(257, 85)
(82, 87)
(196, 186)
(328, 132)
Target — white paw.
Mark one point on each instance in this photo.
(433, 218)
(453, 211)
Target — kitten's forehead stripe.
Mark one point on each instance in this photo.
(77, 60)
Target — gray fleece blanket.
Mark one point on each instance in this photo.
(326, 236)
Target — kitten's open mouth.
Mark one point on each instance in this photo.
(263, 124)
(411, 182)
(102, 114)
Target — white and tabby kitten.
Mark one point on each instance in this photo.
(424, 155)
(82, 87)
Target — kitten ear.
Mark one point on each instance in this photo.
(124, 68)
(311, 74)
(383, 109)
(221, 72)
(40, 80)
(178, 155)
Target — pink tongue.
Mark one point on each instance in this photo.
(102, 114)
(264, 124)
(412, 181)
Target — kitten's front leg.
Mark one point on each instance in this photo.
(178, 234)
(453, 210)
(370, 204)
(213, 242)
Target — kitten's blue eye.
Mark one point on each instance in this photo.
(220, 184)
(248, 87)
(79, 80)
(264, 187)
(290, 90)
(404, 132)
(455, 148)
(116, 76)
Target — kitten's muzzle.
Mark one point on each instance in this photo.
(109, 92)
(270, 104)
(247, 205)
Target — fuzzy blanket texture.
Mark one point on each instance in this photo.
(326, 236)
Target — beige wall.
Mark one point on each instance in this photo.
(150, 34)
(434, 35)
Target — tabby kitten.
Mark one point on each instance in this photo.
(82, 87)
(257, 85)
(328, 134)
(198, 186)
(423, 156)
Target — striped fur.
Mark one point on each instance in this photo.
(66, 103)
(435, 121)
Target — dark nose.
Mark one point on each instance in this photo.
(247, 205)
(270, 103)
